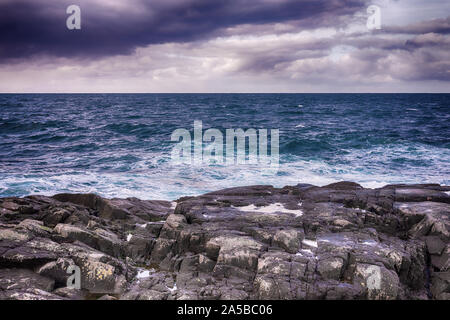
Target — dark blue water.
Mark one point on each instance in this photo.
(119, 145)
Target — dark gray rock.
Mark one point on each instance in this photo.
(23, 284)
(339, 241)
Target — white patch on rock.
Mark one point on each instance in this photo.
(338, 241)
(369, 243)
(173, 289)
(96, 256)
(310, 243)
(144, 273)
(271, 208)
(129, 236)
(142, 225)
(309, 252)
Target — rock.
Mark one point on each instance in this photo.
(380, 283)
(57, 270)
(240, 252)
(106, 209)
(344, 185)
(274, 263)
(269, 288)
(17, 250)
(70, 293)
(29, 294)
(99, 239)
(289, 240)
(411, 194)
(11, 206)
(440, 285)
(13, 235)
(339, 241)
(435, 245)
(434, 218)
(205, 264)
(35, 227)
(161, 249)
(55, 217)
(107, 297)
(175, 221)
(119, 208)
(23, 284)
(341, 223)
(139, 248)
(331, 268)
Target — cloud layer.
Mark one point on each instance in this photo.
(224, 46)
(38, 26)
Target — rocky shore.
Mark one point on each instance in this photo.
(340, 241)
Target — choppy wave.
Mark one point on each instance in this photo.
(119, 145)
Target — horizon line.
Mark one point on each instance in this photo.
(4, 93)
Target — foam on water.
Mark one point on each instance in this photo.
(167, 182)
(119, 145)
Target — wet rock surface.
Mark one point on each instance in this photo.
(339, 241)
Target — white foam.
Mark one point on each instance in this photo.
(271, 208)
(310, 243)
(177, 181)
(448, 192)
(142, 225)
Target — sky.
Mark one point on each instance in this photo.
(204, 46)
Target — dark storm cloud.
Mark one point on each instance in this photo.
(37, 27)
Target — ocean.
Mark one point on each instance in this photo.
(119, 145)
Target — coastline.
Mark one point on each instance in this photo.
(340, 241)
